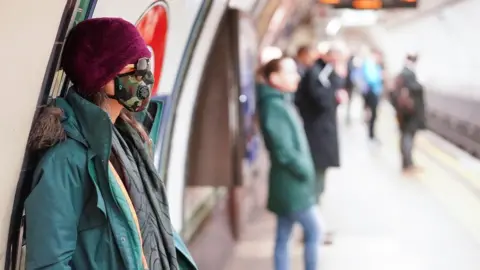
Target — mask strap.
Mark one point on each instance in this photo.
(117, 86)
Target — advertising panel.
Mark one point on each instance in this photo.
(247, 59)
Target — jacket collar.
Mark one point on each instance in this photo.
(86, 123)
(320, 62)
(265, 91)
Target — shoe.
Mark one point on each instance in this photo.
(410, 171)
(407, 171)
(416, 169)
(374, 141)
(326, 242)
(328, 239)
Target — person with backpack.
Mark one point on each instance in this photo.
(97, 201)
(291, 191)
(408, 101)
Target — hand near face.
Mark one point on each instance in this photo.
(341, 95)
(341, 69)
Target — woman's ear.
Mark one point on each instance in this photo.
(275, 78)
(109, 88)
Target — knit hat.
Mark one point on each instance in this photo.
(96, 50)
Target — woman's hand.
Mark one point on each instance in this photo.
(341, 69)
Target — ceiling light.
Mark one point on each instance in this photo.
(333, 27)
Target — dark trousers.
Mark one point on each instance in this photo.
(349, 104)
(406, 147)
(320, 183)
(371, 102)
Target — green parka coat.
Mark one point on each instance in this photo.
(76, 215)
(292, 173)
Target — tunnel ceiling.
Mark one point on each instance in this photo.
(391, 17)
(425, 7)
(274, 18)
(388, 19)
(302, 14)
(433, 28)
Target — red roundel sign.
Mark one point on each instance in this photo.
(153, 26)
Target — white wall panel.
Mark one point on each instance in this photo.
(183, 122)
(28, 33)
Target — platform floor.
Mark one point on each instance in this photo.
(382, 220)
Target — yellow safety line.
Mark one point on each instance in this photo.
(459, 200)
(468, 174)
(449, 161)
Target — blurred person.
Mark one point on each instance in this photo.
(409, 103)
(364, 54)
(357, 74)
(304, 59)
(267, 54)
(373, 78)
(291, 193)
(381, 62)
(350, 84)
(317, 100)
(322, 49)
(97, 201)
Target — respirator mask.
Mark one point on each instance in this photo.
(133, 89)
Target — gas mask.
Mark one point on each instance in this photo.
(133, 89)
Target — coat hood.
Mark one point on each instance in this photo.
(72, 117)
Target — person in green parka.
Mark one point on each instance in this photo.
(291, 193)
(97, 201)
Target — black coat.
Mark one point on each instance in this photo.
(317, 104)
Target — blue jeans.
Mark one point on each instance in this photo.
(311, 231)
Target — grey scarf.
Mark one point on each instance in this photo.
(148, 196)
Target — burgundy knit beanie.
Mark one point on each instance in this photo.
(96, 50)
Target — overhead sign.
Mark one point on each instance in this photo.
(370, 4)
